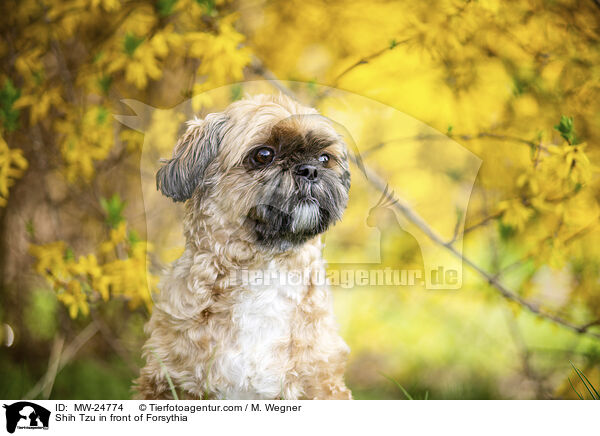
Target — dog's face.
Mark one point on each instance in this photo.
(269, 167)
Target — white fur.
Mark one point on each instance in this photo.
(262, 314)
(306, 216)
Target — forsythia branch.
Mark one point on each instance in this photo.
(367, 59)
(62, 359)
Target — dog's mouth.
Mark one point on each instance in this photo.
(276, 228)
(308, 198)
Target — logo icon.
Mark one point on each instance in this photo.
(26, 415)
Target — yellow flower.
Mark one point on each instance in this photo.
(107, 5)
(572, 163)
(514, 213)
(223, 59)
(40, 103)
(87, 265)
(117, 235)
(12, 166)
(133, 139)
(74, 299)
(50, 257)
(76, 282)
(85, 139)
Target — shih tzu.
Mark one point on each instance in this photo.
(261, 181)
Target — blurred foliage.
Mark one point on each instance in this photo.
(79, 281)
(517, 84)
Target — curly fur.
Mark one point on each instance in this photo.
(216, 337)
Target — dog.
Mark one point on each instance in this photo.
(262, 180)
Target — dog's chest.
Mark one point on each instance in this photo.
(258, 357)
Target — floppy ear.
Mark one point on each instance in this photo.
(198, 146)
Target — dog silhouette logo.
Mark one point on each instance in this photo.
(26, 415)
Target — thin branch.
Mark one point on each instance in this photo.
(55, 354)
(499, 136)
(367, 59)
(403, 207)
(69, 353)
(115, 344)
(259, 68)
(416, 219)
(60, 57)
(578, 234)
(585, 327)
(483, 222)
(525, 356)
(464, 137)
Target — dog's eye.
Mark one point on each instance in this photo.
(263, 156)
(324, 158)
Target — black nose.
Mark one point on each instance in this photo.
(306, 171)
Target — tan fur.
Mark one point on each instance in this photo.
(196, 325)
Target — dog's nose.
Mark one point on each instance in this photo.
(308, 172)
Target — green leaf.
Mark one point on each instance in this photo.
(165, 7)
(236, 92)
(98, 56)
(312, 86)
(9, 116)
(209, 6)
(131, 43)
(113, 208)
(102, 115)
(454, 174)
(69, 254)
(104, 84)
(506, 231)
(520, 85)
(38, 77)
(133, 237)
(566, 129)
(30, 228)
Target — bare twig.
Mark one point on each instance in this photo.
(60, 57)
(525, 356)
(584, 327)
(115, 344)
(456, 232)
(483, 222)
(57, 347)
(568, 240)
(260, 69)
(463, 137)
(69, 353)
(499, 136)
(367, 59)
(376, 181)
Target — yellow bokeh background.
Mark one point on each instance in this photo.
(482, 118)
